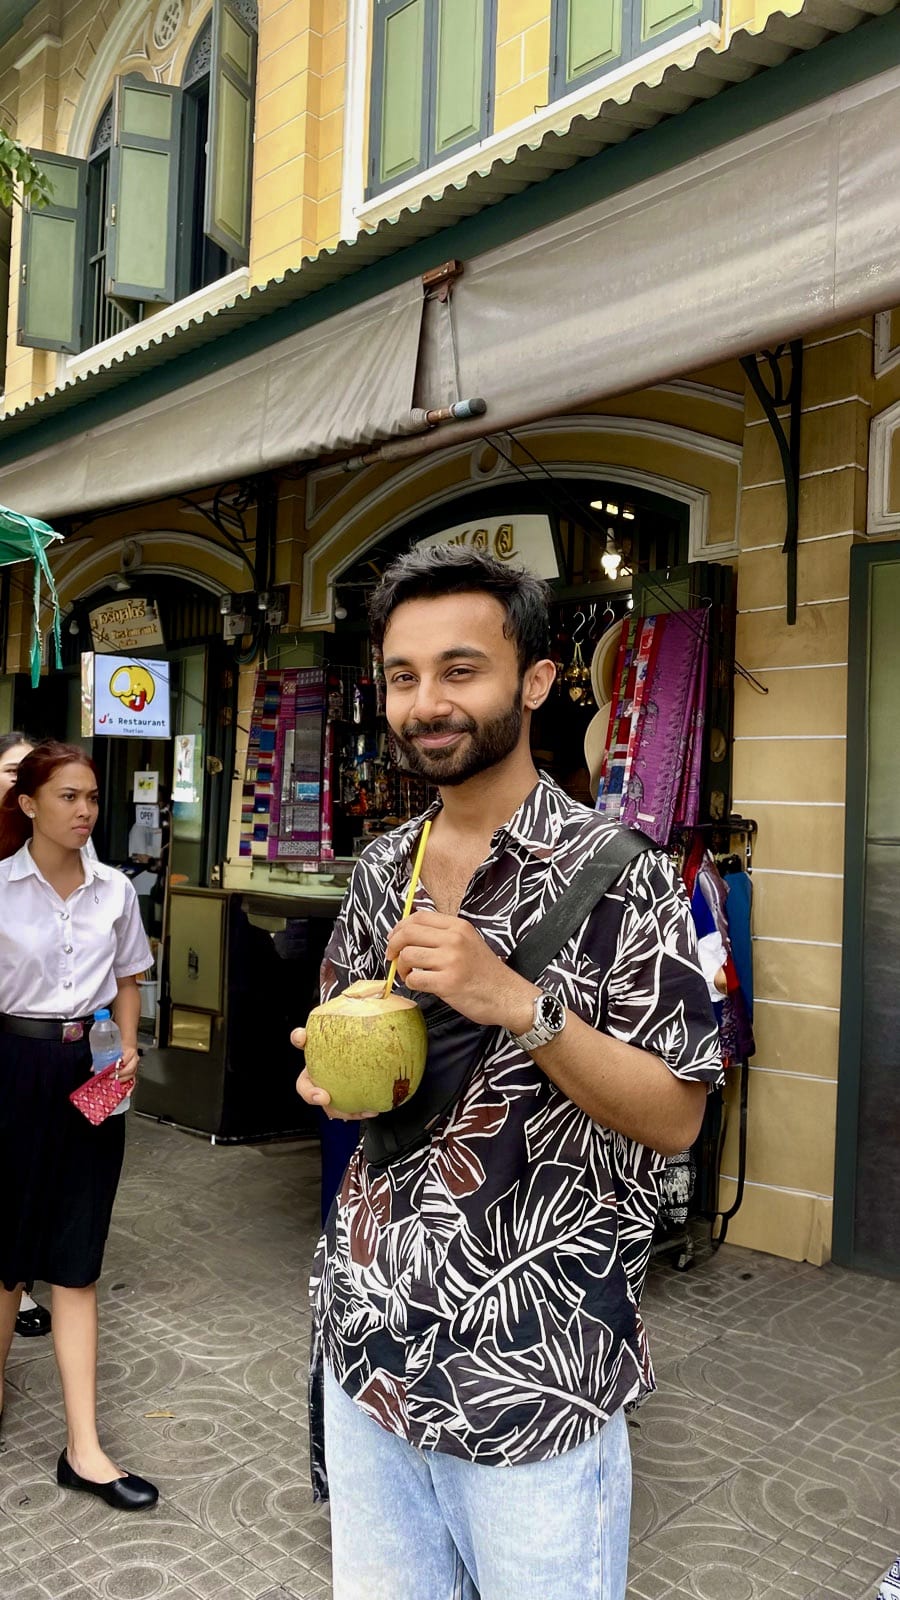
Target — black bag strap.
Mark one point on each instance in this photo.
(575, 904)
(396, 1133)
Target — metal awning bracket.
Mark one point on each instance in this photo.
(776, 389)
(437, 282)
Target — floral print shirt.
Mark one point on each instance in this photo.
(480, 1296)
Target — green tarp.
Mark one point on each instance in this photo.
(26, 539)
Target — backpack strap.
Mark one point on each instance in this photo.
(459, 1044)
(575, 904)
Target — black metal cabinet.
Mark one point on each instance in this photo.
(227, 1067)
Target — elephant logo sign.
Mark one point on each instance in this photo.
(134, 686)
(126, 697)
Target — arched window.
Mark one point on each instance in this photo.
(207, 258)
(160, 208)
(103, 316)
(197, 65)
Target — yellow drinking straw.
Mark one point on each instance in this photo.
(410, 894)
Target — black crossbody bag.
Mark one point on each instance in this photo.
(455, 1044)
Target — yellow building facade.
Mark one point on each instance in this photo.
(313, 104)
(701, 438)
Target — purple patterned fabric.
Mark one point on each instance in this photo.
(664, 786)
(687, 812)
(295, 819)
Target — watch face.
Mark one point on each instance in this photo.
(552, 1012)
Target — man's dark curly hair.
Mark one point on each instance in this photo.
(429, 572)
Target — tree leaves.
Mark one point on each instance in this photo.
(18, 169)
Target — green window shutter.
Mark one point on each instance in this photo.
(459, 73)
(593, 36)
(143, 191)
(398, 90)
(658, 16)
(226, 216)
(51, 278)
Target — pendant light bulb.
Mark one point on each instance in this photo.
(611, 559)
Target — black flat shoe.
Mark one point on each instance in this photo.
(32, 1324)
(123, 1494)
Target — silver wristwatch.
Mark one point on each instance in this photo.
(549, 1020)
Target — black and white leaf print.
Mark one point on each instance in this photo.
(544, 1409)
(560, 1131)
(546, 1241)
(371, 1214)
(383, 1398)
(481, 1296)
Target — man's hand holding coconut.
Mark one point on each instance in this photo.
(370, 1049)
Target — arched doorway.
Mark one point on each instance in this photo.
(588, 519)
(203, 698)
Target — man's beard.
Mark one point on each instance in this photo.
(489, 743)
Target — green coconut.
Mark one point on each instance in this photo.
(367, 1051)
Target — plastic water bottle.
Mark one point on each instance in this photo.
(106, 1047)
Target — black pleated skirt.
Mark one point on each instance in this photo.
(58, 1173)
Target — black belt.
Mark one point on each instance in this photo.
(65, 1030)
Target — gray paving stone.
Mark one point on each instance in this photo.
(766, 1467)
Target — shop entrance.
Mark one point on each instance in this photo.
(193, 803)
(604, 540)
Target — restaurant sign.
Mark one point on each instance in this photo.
(125, 625)
(523, 541)
(124, 698)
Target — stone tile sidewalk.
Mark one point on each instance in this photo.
(767, 1467)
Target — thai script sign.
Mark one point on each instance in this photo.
(131, 624)
(523, 541)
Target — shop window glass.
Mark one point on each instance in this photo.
(161, 207)
(590, 37)
(432, 79)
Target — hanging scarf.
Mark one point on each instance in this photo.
(22, 537)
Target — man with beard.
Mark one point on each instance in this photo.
(475, 1301)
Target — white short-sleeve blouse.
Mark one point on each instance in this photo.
(63, 958)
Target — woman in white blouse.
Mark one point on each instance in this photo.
(71, 942)
(32, 1320)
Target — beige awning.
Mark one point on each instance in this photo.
(344, 382)
(783, 232)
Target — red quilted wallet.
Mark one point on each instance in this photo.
(98, 1098)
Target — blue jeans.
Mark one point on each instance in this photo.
(411, 1524)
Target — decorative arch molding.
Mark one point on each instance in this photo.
(108, 47)
(337, 549)
(91, 569)
(883, 510)
(695, 390)
(103, 47)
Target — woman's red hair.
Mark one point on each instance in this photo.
(33, 772)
